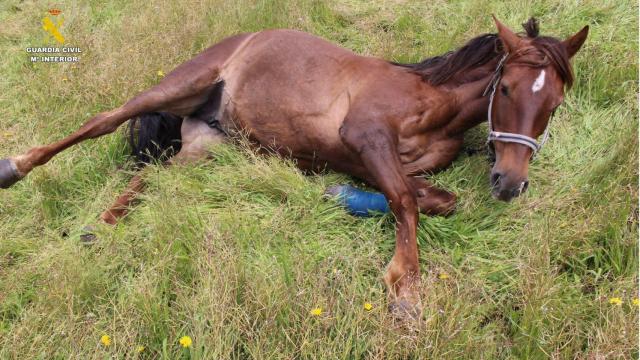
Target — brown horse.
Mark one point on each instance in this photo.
(325, 106)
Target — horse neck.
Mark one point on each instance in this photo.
(472, 83)
(468, 90)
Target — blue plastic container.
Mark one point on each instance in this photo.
(359, 202)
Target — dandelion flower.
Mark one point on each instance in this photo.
(317, 311)
(105, 340)
(636, 302)
(367, 306)
(443, 276)
(140, 349)
(615, 301)
(160, 73)
(185, 341)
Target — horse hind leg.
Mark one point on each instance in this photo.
(159, 98)
(181, 92)
(161, 135)
(152, 137)
(197, 138)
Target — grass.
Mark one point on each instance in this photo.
(236, 251)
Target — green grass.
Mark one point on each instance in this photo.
(236, 251)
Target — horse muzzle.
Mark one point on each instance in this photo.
(505, 188)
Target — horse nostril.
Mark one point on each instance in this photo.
(495, 178)
(524, 186)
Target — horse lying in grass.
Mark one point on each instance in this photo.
(327, 107)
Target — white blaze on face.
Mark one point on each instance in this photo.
(539, 83)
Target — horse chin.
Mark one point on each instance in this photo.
(504, 195)
(497, 196)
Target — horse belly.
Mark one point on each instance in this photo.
(302, 134)
(289, 93)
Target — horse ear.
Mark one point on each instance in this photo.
(510, 40)
(574, 43)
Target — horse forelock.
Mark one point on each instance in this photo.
(557, 55)
(544, 51)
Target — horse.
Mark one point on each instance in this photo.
(326, 107)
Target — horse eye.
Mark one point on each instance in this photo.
(504, 90)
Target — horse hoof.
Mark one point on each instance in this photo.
(333, 191)
(88, 235)
(403, 310)
(8, 173)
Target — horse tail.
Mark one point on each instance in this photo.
(154, 136)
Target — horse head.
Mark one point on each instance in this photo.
(528, 86)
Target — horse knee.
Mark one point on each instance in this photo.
(401, 203)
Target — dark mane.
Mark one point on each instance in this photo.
(480, 50)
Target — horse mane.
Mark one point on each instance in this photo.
(482, 49)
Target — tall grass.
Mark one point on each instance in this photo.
(236, 251)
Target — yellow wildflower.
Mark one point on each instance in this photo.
(140, 349)
(443, 276)
(615, 301)
(160, 73)
(64, 79)
(317, 311)
(367, 306)
(636, 302)
(105, 340)
(185, 341)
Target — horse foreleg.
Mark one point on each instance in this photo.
(377, 151)
(431, 199)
